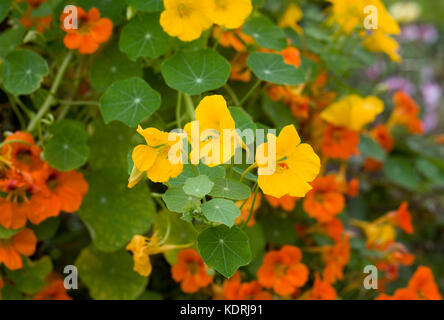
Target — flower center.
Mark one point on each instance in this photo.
(193, 267)
(280, 269)
(184, 10)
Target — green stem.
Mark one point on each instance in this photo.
(232, 94)
(50, 98)
(67, 103)
(178, 110)
(189, 105)
(254, 165)
(18, 113)
(249, 93)
(256, 189)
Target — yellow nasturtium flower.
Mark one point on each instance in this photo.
(353, 112)
(381, 42)
(351, 14)
(294, 166)
(185, 19)
(291, 17)
(142, 247)
(230, 14)
(212, 135)
(376, 233)
(153, 158)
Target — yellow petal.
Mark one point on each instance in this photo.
(144, 157)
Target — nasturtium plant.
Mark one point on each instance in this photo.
(129, 101)
(23, 71)
(235, 149)
(272, 67)
(113, 212)
(224, 249)
(109, 276)
(110, 67)
(144, 37)
(67, 149)
(266, 33)
(195, 72)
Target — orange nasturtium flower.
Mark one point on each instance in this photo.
(293, 168)
(406, 113)
(153, 159)
(54, 290)
(325, 200)
(235, 290)
(402, 218)
(22, 152)
(339, 142)
(422, 286)
(283, 271)
(190, 271)
(230, 14)
(185, 19)
(142, 247)
(91, 32)
(353, 112)
(322, 290)
(232, 38)
(239, 68)
(57, 191)
(41, 23)
(336, 257)
(212, 135)
(22, 243)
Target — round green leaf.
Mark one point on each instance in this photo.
(23, 71)
(198, 186)
(224, 249)
(113, 212)
(111, 66)
(67, 149)
(109, 276)
(230, 189)
(10, 39)
(266, 33)
(196, 72)
(401, 172)
(278, 230)
(144, 37)
(146, 5)
(188, 172)
(177, 200)
(129, 101)
(221, 210)
(272, 68)
(109, 145)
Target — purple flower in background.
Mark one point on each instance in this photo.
(374, 71)
(429, 34)
(431, 94)
(399, 84)
(410, 33)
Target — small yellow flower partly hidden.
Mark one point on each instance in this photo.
(212, 135)
(185, 19)
(376, 233)
(380, 42)
(142, 247)
(230, 14)
(153, 158)
(291, 17)
(351, 14)
(295, 165)
(353, 112)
